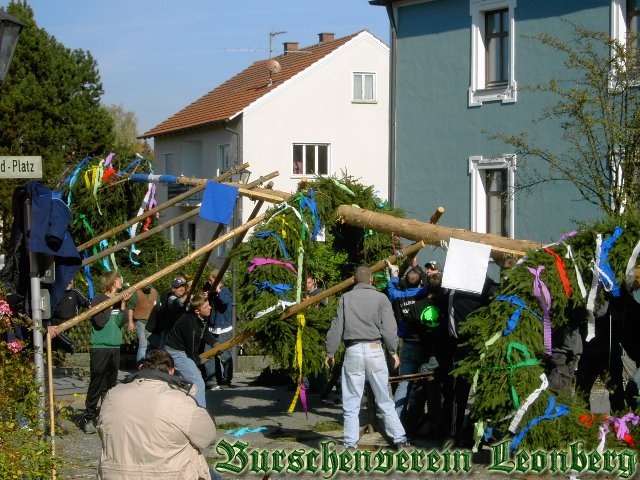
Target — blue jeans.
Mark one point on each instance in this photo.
(366, 361)
(412, 355)
(190, 372)
(222, 364)
(143, 337)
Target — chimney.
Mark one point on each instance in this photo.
(326, 37)
(290, 47)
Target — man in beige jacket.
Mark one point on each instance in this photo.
(151, 428)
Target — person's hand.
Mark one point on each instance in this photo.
(414, 261)
(396, 360)
(329, 361)
(218, 287)
(131, 327)
(52, 331)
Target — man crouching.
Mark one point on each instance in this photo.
(151, 428)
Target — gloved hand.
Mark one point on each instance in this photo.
(390, 270)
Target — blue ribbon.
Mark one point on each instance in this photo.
(130, 166)
(87, 276)
(71, 179)
(607, 276)
(244, 430)
(550, 413)
(310, 203)
(271, 233)
(279, 288)
(512, 323)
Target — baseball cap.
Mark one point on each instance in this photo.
(178, 282)
(433, 265)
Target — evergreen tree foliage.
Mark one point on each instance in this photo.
(330, 261)
(49, 106)
(494, 402)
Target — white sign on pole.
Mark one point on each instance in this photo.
(466, 265)
(20, 167)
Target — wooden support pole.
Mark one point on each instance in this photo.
(183, 196)
(294, 309)
(431, 234)
(203, 263)
(153, 278)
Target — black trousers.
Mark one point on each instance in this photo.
(104, 364)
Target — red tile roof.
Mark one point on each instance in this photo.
(243, 89)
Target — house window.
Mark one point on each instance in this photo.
(492, 51)
(364, 87)
(633, 20)
(625, 19)
(310, 159)
(224, 159)
(492, 199)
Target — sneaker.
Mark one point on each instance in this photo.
(89, 427)
(402, 445)
(210, 384)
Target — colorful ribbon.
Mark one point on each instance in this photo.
(297, 364)
(620, 426)
(512, 323)
(550, 413)
(281, 304)
(561, 271)
(268, 233)
(528, 361)
(244, 430)
(533, 396)
(583, 290)
(541, 292)
(71, 179)
(342, 186)
(607, 275)
(258, 262)
(310, 203)
(593, 292)
(278, 288)
(630, 273)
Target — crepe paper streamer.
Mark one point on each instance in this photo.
(285, 206)
(87, 276)
(541, 292)
(258, 262)
(587, 419)
(533, 396)
(71, 179)
(528, 361)
(607, 276)
(342, 186)
(620, 426)
(310, 203)
(271, 233)
(131, 166)
(591, 299)
(108, 161)
(283, 304)
(474, 383)
(561, 271)
(297, 364)
(630, 274)
(550, 413)
(478, 434)
(512, 323)
(244, 430)
(583, 291)
(278, 288)
(300, 269)
(107, 174)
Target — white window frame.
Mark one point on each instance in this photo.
(363, 75)
(479, 196)
(303, 174)
(478, 91)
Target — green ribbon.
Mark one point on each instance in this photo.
(527, 362)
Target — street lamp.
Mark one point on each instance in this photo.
(10, 28)
(242, 178)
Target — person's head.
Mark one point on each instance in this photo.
(363, 274)
(110, 281)
(70, 286)
(432, 267)
(147, 289)
(179, 285)
(200, 305)
(311, 283)
(413, 278)
(215, 273)
(158, 360)
(434, 282)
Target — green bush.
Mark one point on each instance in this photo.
(23, 451)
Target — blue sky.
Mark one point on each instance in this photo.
(157, 56)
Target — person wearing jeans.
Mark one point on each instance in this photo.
(140, 306)
(365, 320)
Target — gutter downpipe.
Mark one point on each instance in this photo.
(392, 106)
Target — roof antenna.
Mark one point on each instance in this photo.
(273, 65)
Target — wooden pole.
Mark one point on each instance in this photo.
(52, 416)
(294, 309)
(183, 196)
(153, 278)
(431, 234)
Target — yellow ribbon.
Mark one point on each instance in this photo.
(297, 360)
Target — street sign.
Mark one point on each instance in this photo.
(20, 167)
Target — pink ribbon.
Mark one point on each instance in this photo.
(620, 426)
(258, 262)
(541, 292)
(303, 399)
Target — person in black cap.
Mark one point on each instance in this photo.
(169, 307)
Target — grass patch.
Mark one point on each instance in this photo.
(229, 426)
(328, 426)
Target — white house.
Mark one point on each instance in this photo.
(311, 111)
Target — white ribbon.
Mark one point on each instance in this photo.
(525, 406)
(591, 300)
(569, 255)
(281, 304)
(630, 273)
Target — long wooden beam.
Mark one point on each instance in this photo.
(153, 211)
(153, 278)
(429, 233)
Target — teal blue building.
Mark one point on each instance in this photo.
(462, 70)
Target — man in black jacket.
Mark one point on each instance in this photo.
(183, 343)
